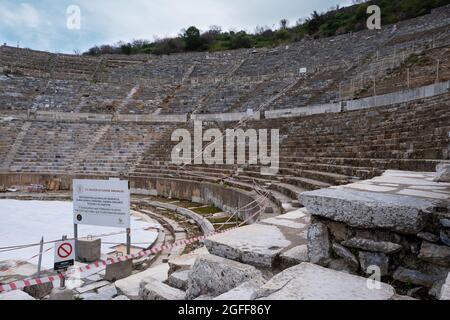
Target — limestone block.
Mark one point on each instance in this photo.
(89, 250)
(182, 263)
(370, 210)
(119, 270)
(179, 280)
(257, 244)
(130, 286)
(212, 275)
(294, 256)
(318, 244)
(312, 282)
(153, 289)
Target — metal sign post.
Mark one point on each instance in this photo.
(41, 252)
(64, 258)
(128, 241)
(75, 236)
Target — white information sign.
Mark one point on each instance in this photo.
(101, 203)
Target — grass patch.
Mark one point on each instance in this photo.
(207, 210)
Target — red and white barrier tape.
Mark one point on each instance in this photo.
(17, 285)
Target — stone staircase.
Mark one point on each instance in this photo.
(15, 147)
(76, 167)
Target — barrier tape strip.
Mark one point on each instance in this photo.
(17, 285)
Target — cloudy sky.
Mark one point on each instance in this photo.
(43, 24)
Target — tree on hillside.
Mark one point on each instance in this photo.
(192, 39)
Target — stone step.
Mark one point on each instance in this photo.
(292, 191)
(305, 183)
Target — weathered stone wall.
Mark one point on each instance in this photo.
(223, 197)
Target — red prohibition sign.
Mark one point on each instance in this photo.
(64, 250)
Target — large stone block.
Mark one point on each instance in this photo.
(153, 289)
(212, 275)
(130, 286)
(370, 210)
(294, 256)
(312, 282)
(89, 250)
(257, 244)
(119, 270)
(179, 280)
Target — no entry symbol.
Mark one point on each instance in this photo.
(64, 254)
(65, 250)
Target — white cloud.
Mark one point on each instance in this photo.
(21, 15)
(41, 24)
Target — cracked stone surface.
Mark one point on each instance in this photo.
(256, 244)
(312, 282)
(261, 244)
